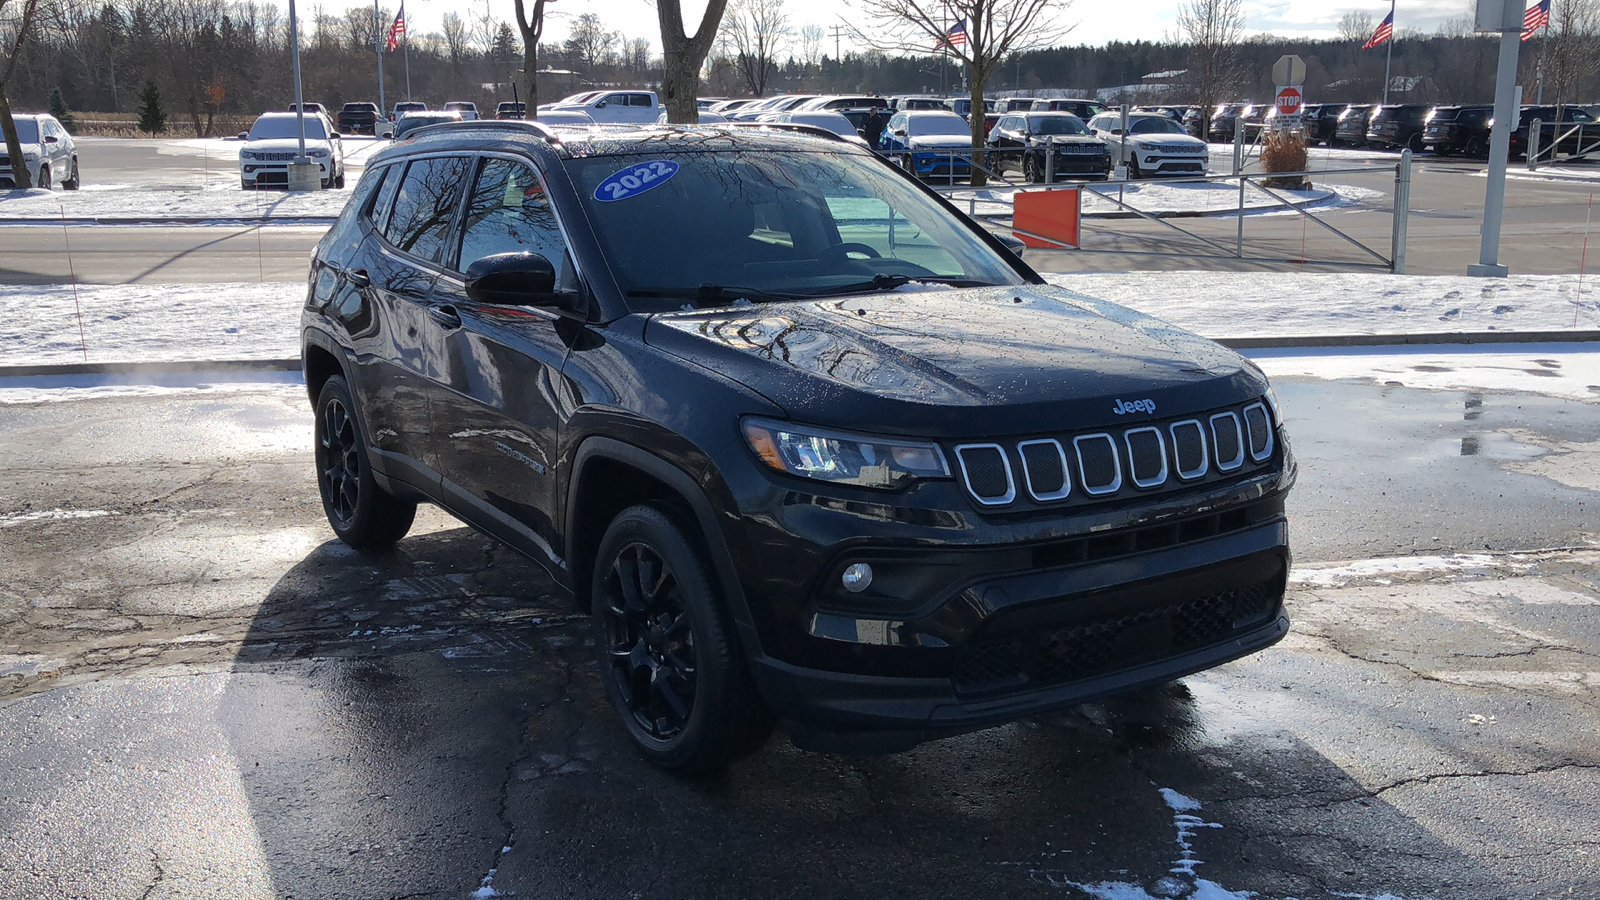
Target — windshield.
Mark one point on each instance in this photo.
(266, 129)
(926, 125)
(1155, 125)
(787, 223)
(1059, 125)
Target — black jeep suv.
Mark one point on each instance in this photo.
(811, 446)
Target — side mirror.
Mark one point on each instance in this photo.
(244, 135)
(52, 139)
(600, 105)
(520, 279)
(1012, 242)
(1116, 131)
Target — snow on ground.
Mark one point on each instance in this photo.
(1277, 304)
(1166, 198)
(222, 202)
(159, 323)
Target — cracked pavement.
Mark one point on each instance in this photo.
(203, 695)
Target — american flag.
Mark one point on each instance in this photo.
(956, 35)
(397, 29)
(1538, 17)
(1384, 32)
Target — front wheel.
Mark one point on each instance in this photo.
(44, 178)
(668, 652)
(72, 183)
(362, 514)
(1030, 170)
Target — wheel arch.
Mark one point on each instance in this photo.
(608, 476)
(319, 361)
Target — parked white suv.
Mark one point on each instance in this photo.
(47, 151)
(1156, 144)
(273, 142)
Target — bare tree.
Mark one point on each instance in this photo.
(755, 31)
(18, 18)
(683, 55)
(530, 21)
(811, 38)
(1569, 58)
(1355, 26)
(991, 31)
(455, 38)
(360, 28)
(589, 42)
(1214, 30)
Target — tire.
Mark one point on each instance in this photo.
(44, 178)
(1030, 170)
(361, 513)
(339, 182)
(73, 183)
(1414, 143)
(1476, 147)
(1133, 170)
(668, 652)
(907, 164)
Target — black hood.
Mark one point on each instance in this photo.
(958, 363)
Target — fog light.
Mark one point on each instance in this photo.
(857, 577)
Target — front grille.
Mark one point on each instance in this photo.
(273, 157)
(986, 472)
(1114, 642)
(1108, 464)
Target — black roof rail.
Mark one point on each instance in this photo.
(796, 127)
(537, 129)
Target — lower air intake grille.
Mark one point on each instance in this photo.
(1111, 644)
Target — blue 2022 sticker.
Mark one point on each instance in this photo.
(635, 180)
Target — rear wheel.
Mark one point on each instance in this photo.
(362, 514)
(1477, 147)
(668, 651)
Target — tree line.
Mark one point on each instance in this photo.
(217, 60)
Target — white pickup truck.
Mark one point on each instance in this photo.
(611, 106)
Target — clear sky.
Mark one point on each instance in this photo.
(1093, 21)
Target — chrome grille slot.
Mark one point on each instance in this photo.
(1227, 441)
(1147, 456)
(1044, 467)
(1258, 425)
(987, 473)
(1098, 463)
(1189, 455)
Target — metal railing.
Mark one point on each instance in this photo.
(1538, 153)
(1249, 183)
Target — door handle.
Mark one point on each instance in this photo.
(445, 315)
(358, 278)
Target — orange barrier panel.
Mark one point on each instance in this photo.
(1049, 214)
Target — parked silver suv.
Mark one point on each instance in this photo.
(47, 150)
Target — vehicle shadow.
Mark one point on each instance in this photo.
(428, 723)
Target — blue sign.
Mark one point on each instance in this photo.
(635, 180)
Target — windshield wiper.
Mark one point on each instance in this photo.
(885, 282)
(712, 295)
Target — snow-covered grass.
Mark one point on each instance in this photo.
(136, 323)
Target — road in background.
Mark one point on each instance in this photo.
(154, 254)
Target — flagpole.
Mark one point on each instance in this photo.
(405, 44)
(377, 45)
(1389, 57)
(1544, 45)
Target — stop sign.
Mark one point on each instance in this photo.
(1288, 101)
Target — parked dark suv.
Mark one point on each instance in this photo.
(1398, 126)
(1458, 129)
(359, 118)
(832, 456)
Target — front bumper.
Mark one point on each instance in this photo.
(1049, 639)
(274, 172)
(1164, 164)
(942, 164)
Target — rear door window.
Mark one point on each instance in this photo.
(424, 205)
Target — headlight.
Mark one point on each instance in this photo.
(246, 154)
(319, 154)
(842, 458)
(30, 156)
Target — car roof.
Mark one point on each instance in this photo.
(928, 113)
(542, 141)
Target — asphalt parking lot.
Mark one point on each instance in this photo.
(206, 696)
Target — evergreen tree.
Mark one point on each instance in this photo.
(152, 115)
(59, 109)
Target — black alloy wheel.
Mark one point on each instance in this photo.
(1030, 170)
(650, 642)
(362, 514)
(668, 654)
(1477, 147)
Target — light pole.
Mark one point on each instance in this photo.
(302, 174)
(1504, 16)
